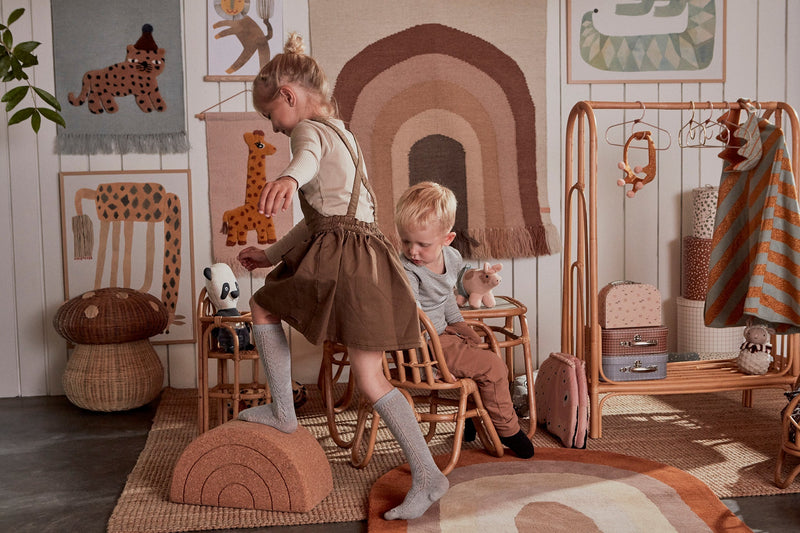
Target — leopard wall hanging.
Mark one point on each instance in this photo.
(144, 61)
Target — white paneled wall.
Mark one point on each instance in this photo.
(640, 239)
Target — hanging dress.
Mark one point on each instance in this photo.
(754, 271)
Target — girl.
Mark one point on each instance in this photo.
(337, 277)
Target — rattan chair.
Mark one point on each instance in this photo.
(790, 446)
(421, 374)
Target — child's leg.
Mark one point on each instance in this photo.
(491, 375)
(270, 341)
(428, 484)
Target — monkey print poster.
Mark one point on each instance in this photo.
(242, 36)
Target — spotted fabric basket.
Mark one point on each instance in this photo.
(705, 211)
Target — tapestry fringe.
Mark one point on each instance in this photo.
(83, 235)
(502, 243)
(154, 143)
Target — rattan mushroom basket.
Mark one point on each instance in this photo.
(113, 367)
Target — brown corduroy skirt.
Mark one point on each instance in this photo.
(344, 284)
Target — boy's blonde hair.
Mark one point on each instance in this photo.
(294, 66)
(424, 204)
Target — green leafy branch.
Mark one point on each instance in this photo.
(13, 62)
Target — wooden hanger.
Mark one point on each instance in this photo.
(639, 122)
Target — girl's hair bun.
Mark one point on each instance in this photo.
(294, 44)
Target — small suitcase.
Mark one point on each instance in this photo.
(635, 367)
(562, 399)
(635, 354)
(628, 304)
(634, 341)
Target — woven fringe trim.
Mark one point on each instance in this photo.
(503, 243)
(509, 243)
(151, 143)
(84, 237)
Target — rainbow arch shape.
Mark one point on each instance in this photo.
(252, 466)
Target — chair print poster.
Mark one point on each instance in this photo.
(132, 229)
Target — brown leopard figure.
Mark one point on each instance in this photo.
(144, 61)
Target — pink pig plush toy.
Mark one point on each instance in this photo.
(475, 285)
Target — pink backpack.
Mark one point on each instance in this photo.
(562, 399)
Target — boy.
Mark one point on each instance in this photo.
(425, 216)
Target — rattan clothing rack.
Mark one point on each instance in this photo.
(580, 330)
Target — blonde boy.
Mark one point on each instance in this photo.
(424, 217)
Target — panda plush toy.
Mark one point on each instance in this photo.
(223, 291)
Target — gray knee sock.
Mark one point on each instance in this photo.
(270, 340)
(428, 484)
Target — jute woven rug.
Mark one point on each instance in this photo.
(732, 449)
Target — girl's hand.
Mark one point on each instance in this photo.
(277, 196)
(252, 258)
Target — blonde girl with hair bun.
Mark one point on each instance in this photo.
(336, 276)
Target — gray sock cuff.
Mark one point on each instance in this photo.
(388, 398)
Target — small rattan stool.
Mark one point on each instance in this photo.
(113, 366)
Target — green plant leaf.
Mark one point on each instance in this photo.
(19, 116)
(27, 47)
(8, 40)
(16, 14)
(36, 121)
(26, 59)
(48, 98)
(49, 114)
(14, 96)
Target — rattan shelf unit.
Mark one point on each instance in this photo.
(222, 401)
(580, 330)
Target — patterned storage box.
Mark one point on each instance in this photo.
(635, 367)
(628, 304)
(705, 211)
(694, 336)
(696, 255)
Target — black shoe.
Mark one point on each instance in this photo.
(469, 431)
(520, 444)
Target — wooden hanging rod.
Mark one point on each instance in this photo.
(683, 105)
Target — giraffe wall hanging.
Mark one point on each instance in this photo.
(133, 230)
(243, 153)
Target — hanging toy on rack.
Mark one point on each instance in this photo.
(632, 177)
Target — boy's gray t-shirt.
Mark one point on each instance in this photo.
(434, 292)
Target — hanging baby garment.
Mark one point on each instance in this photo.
(754, 270)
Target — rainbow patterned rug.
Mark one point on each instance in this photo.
(558, 490)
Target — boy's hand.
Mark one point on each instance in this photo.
(465, 331)
(252, 258)
(277, 196)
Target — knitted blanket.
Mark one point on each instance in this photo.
(452, 92)
(754, 271)
(119, 76)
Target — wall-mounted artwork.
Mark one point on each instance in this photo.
(119, 76)
(243, 154)
(242, 36)
(447, 91)
(645, 41)
(131, 229)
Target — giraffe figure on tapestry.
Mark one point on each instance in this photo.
(239, 221)
(119, 206)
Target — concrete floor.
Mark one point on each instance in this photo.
(62, 469)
